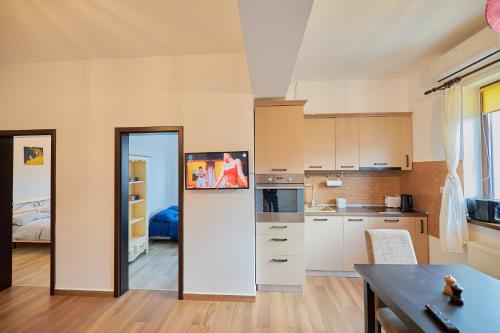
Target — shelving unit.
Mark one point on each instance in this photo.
(138, 215)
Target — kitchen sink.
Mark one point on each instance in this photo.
(320, 209)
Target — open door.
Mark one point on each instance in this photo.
(122, 214)
(6, 178)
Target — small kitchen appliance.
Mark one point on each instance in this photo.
(392, 201)
(406, 203)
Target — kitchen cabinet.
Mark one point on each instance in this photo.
(279, 137)
(347, 143)
(421, 240)
(319, 144)
(324, 243)
(379, 142)
(389, 222)
(354, 247)
(406, 143)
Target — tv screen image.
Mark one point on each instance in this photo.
(217, 170)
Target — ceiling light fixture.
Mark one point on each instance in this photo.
(493, 14)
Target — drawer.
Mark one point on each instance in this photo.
(280, 244)
(280, 270)
(336, 219)
(266, 228)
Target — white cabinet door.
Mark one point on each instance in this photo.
(379, 142)
(354, 241)
(347, 143)
(319, 144)
(324, 243)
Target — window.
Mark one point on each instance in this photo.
(490, 107)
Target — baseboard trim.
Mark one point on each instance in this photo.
(218, 298)
(83, 293)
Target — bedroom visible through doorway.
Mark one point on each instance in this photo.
(149, 201)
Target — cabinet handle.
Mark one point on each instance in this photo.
(355, 220)
(279, 239)
(278, 169)
(320, 220)
(347, 166)
(379, 163)
(407, 161)
(279, 260)
(315, 166)
(393, 221)
(421, 226)
(278, 227)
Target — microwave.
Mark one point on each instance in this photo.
(487, 210)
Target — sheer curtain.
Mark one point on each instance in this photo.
(452, 219)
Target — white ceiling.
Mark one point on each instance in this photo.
(381, 38)
(273, 32)
(51, 30)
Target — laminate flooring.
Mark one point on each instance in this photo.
(31, 265)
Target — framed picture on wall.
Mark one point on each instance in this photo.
(33, 156)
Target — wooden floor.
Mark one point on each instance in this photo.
(328, 305)
(156, 270)
(31, 265)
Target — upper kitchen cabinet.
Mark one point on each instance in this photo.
(279, 136)
(406, 143)
(319, 144)
(380, 142)
(347, 143)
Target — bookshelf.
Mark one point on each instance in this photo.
(138, 215)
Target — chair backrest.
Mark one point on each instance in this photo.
(389, 246)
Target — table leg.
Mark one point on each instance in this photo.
(370, 321)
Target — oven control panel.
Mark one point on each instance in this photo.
(280, 179)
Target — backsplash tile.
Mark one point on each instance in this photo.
(359, 187)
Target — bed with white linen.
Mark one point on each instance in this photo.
(31, 221)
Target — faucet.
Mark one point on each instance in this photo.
(314, 201)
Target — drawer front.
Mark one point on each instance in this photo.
(266, 228)
(280, 244)
(280, 270)
(310, 219)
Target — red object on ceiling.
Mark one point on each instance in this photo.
(493, 14)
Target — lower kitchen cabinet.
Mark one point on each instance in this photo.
(354, 250)
(280, 270)
(421, 240)
(324, 243)
(388, 222)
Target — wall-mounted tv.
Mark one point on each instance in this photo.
(224, 170)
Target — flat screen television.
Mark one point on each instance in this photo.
(217, 170)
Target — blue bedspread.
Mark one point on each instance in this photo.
(165, 223)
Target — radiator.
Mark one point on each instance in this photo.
(484, 258)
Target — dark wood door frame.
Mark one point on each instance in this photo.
(119, 132)
(52, 133)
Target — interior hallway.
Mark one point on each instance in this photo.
(329, 304)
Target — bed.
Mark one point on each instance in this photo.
(165, 224)
(31, 221)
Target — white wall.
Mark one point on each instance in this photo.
(352, 96)
(84, 101)
(162, 167)
(31, 182)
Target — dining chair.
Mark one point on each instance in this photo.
(389, 246)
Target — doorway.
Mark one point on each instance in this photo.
(149, 209)
(27, 208)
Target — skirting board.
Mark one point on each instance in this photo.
(336, 274)
(83, 293)
(280, 288)
(218, 298)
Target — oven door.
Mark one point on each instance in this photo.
(279, 202)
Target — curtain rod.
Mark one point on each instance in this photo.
(457, 79)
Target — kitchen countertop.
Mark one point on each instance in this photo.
(363, 211)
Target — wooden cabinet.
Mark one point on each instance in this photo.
(406, 143)
(421, 240)
(388, 222)
(280, 254)
(279, 137)
(354, 249)
(346, 143)
(380, 142)
(319, 144)
(324, 243)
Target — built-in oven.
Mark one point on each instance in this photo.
(279, 198)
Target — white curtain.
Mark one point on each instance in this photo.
(453, 230)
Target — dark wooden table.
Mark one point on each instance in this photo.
(406, 289)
